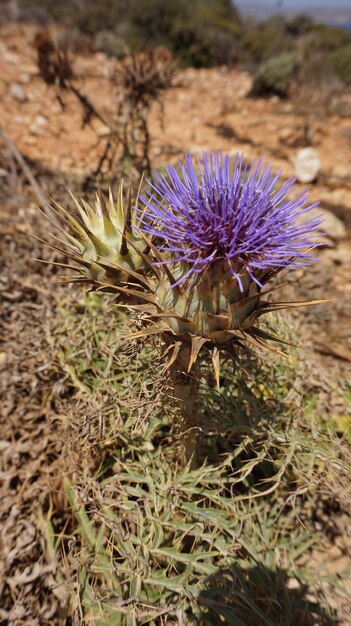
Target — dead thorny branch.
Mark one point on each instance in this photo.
(140, 80)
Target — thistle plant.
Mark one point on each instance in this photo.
(194, 260)
(140, 79)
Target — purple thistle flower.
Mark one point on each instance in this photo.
(245, 218)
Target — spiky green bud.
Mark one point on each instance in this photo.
(102, 239)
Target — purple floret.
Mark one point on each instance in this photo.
(245, 217)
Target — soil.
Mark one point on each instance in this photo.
(205, 109)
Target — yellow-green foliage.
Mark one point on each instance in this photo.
(276, 75)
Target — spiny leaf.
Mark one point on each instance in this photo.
(196, 345)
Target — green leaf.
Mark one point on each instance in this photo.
(188, 559)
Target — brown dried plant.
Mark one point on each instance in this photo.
(144, 75)
(53, 57)
(140, 79)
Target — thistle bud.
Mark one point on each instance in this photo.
(103, 239)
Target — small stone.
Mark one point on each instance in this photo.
(307, 165)
(182, 96)
(40, 120)
(103, 131)
(286, 133)
(339, 254)
(10, 57)
(17, 92)
(339, 566)
(331, 225)
(197, 150)
(24, 79)
(232, 153)
(37, 128)
(31, 70)
(293, 583)
(342, 171)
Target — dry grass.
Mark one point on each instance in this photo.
(156, 544)
(31, 436)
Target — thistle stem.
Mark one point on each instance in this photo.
(185, 390)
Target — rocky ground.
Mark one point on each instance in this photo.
(206, 109)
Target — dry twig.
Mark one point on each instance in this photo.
(13, 149)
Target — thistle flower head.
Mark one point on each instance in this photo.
(194, 260)
(101, 238)
(243, 217)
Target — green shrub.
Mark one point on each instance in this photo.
(300, 25)
(341, 61)
(204, 45)
(266, 41)
(326, 39)
(276, 75)
(201, 34)
(316, 81)
(110, 43)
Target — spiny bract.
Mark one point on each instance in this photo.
(102, 239)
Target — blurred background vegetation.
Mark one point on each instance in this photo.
(204, 33)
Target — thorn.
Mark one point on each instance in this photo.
(216, 365)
